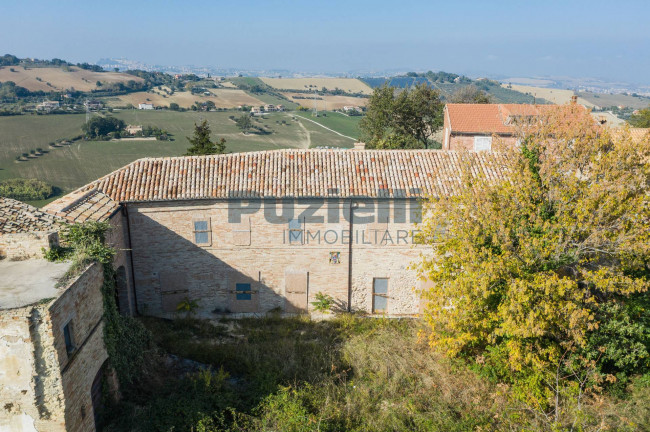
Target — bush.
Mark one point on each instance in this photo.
(25, 189)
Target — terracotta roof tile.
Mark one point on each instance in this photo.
(274, 174)
(18, 217)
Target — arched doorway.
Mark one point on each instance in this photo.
(96, 395)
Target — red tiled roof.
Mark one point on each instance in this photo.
(489, 118)
(276, 173)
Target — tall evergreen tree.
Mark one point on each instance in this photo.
(201, 143)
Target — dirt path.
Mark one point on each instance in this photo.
(306, 131)
(325, 127)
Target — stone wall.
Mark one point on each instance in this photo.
(117, 238)
(42, 387)
(22, 246)
(169, 266)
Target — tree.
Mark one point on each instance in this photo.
(470, 95)
(411, 115)
(102, 126)
(641, 119)
(201, 143)
(174, 106)
(545, 272)
(244, 123)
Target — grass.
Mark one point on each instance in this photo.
(608, 100)
(69, 167)
(347, 125)
(346, 374)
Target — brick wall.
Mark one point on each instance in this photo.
(466, 142)
(169, 266)
(22, 246)
(42, 387)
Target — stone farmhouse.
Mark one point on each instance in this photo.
(240, 234)
(251, 232)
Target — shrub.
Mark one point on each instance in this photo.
(25, 189)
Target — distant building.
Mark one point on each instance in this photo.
(145, 106)
(349, 108)
(256, 111)
(473, 126)
(279, 108)
(269, 108)
(93, 104)
(48, 105)
(133, 129)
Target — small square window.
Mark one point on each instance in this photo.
(243, 291)
(68, 336)
(482, 143)
(295, 231)
(202, 232)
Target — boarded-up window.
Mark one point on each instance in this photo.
(173, 289)
(296, 290)
(295, 231)
(380, 295)
(202, 232)
(377, 232)
(482, 143)
(244, 291)
(241, 232)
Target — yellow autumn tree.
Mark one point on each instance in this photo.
(541, 268)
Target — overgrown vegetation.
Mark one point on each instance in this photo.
(25, 189)
(346, 374)
(128, 343)
(540, 280)
(100, 127)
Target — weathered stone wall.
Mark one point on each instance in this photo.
(42, 387)
(169, 266)
(22, 246)
(82, 305)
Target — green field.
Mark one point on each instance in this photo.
(71, 166)
(341, 123)
(607, 100)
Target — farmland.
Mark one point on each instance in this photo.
(59, 79)
(556, 96)
(222, 98)
(608, 100)
(71, 166)
(341, 123)
(349, 85)
(325, 102)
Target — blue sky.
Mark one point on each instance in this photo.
(608, 39)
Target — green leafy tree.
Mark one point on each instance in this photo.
(244, 123)
(174, 106)
(101, 126)
(641, 119)
(201, 142)
(470, 95)
(543, 276)
(412, 115)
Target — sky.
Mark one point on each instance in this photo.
(602, 39)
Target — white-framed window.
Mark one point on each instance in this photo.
(202, 232)
(482, 143)
(295, 231)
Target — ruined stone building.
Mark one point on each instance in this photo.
(238, 234)
(51, 332)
